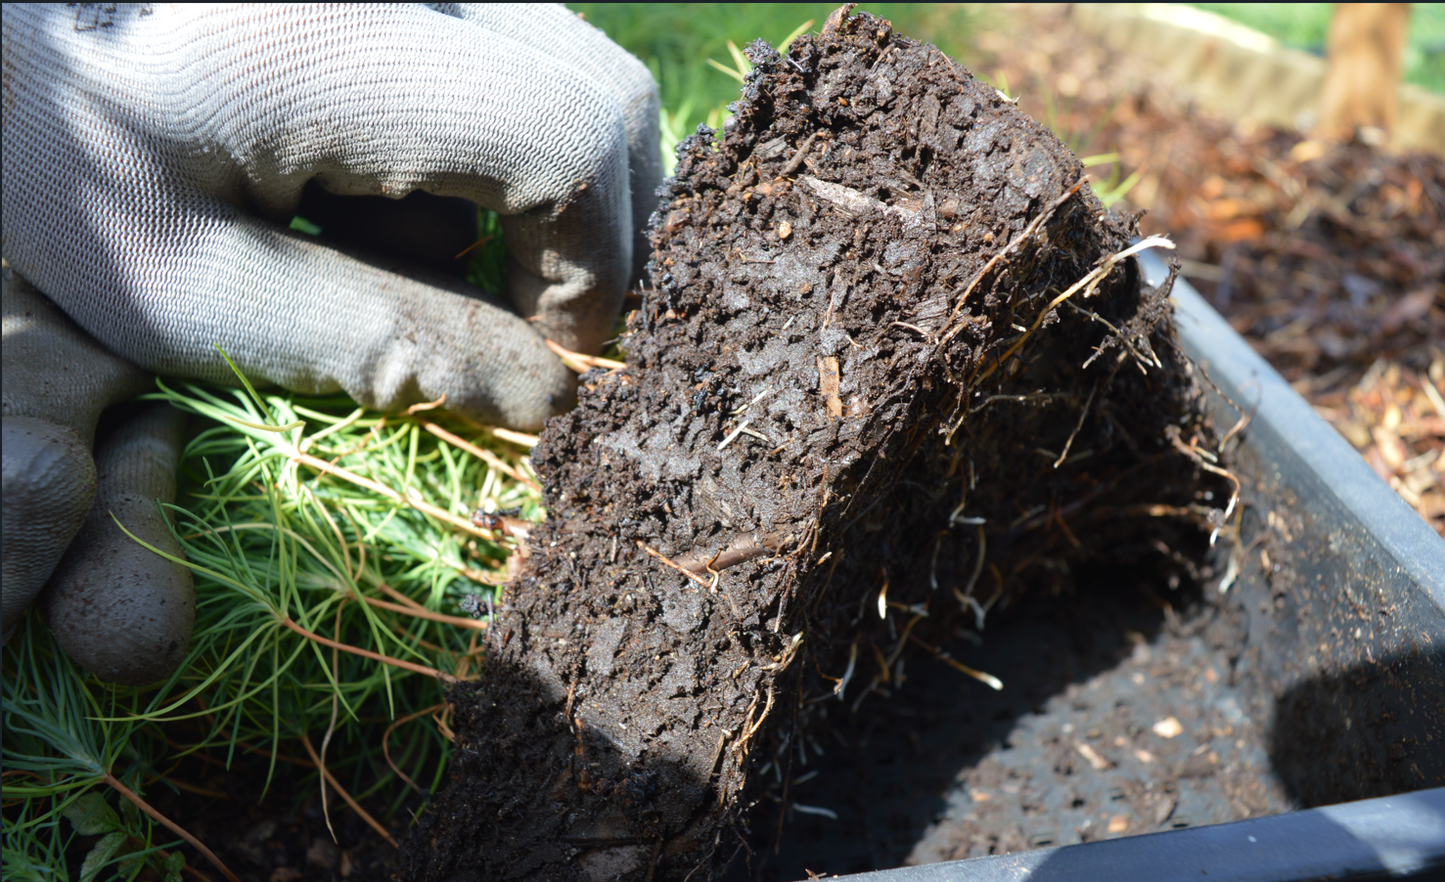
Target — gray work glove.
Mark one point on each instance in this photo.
(154, 155)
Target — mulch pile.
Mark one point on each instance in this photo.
(891, 375)
(1328, 258)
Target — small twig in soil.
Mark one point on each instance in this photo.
(917, 330)
(853, 201)
(668, 561)
(743, 548)
(756, 434)
(756, 398)
(797, 160)
(361, 812)
(836, 18)
(828, 385)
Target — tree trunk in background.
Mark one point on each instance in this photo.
(1366, 48)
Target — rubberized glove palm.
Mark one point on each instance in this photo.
(153, 156)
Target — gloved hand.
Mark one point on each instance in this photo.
(116, 608)
(153, 155)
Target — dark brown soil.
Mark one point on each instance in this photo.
(271, 826)
(855, 426)
(1068, 752)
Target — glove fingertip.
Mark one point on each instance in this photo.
(535, 388)
(49, 482)
(117, 608)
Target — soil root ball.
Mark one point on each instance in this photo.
(886, 382)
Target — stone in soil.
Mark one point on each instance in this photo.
(858, 413)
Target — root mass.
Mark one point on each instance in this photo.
(886, 383)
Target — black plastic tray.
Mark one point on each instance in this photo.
(1346, 644)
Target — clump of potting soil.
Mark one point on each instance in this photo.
(887, 380)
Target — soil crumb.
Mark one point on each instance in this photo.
(890, 378)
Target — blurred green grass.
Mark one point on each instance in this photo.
(1306, 26)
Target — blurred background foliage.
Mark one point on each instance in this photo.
(1307, 25)
(676, 40)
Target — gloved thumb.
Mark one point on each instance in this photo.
(119, 610)
(54, 384)
(49, 482)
